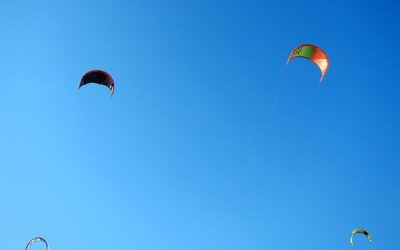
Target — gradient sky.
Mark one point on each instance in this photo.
(210, 141)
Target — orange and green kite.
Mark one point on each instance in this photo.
(313, 53)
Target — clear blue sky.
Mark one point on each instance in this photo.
(197, 150)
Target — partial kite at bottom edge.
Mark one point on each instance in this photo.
(34, 240)
(360, 231)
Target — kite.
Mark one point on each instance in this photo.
(99, 77)
(34, 240)
(313, 53)
(359, 231)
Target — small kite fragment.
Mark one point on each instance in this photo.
(313, 53)
(36, 239)
(99, 77)
(359, 231)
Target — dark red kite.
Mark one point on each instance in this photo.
(99, 77)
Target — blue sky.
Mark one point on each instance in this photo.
(210, 141)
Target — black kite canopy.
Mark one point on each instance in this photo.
(99, 77)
